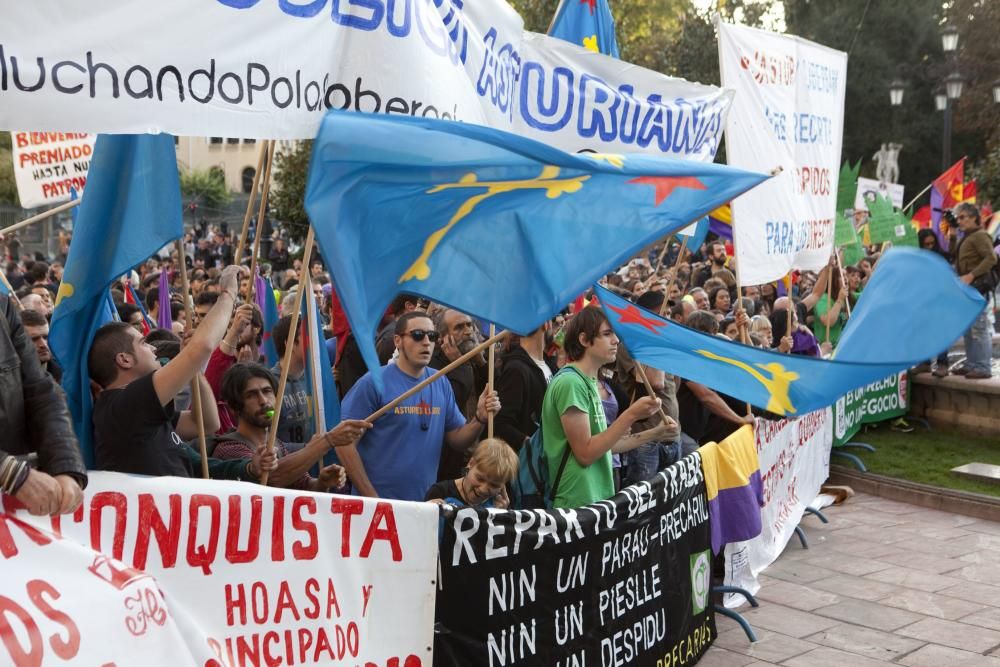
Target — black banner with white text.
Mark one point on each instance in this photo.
(624, 581)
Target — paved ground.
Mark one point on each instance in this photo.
(883, 583)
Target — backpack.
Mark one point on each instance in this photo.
(531, 487)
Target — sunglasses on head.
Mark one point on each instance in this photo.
(418, 335)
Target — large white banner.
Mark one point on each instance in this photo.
(789, 113)
(180, 572)
(270, 68)
(49, 165)
(794, 462)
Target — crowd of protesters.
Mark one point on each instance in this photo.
(602, 428)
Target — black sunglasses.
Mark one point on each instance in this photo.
(418, 335)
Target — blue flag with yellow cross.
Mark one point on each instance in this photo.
(913, 307)
(490, 223)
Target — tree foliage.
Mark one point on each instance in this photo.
(288, 188)
(205, 188)
(977, 116)
(8, 188)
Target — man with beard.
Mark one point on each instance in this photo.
(458, 336)
(136, 426)
(249, 391)
(398, 457)
(716, 262)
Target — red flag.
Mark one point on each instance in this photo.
(132, 298)
(922, 218)
(969, 192)
(949, 184)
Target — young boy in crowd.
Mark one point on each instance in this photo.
(492, 467)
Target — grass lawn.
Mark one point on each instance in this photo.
(926, 456)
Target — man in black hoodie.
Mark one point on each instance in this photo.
(521, 385)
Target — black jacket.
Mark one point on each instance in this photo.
(33, 412)
(521, 386)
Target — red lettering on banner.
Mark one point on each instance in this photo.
(64, 648)
(305, 643)
(278, 530)
(25, 139)
(202, 556)
(260, 610)
(323, 645)
(151, 522)
(410, 661)
(300, 551)
(233, 553)
(118, 502)
(7, 546)
(366, 594)
(348, 508)
(383, 513)
(332, 605)
(268, 658)
(285, 603)
(238, 603)
(26, 657)
(312, 590)
(33, 655)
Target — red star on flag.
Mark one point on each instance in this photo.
(592, 4)
(632, 315)
(665, 185)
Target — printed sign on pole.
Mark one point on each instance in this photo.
(789, 113)
(869, 189)
(49, 165)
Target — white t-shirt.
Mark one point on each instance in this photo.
(546, 371)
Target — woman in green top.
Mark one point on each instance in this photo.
(573, 424)
(830, 312)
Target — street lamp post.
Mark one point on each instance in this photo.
(947, 94)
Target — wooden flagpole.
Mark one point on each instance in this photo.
(673, 279)
(196, 399)
(251, 288)
(310, 365)
(489, 384)
(829, 290)
(650, 392)
(272, 432)
(41, 216)
(241, 245)
(10, 291)
(843, 280)
(447, 369)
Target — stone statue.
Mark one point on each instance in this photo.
(887, 163)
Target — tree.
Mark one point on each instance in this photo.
(288, 188)
(8, 188)
(977, 116)
(205, 188)
(902, 38)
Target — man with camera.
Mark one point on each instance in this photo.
(974, 261)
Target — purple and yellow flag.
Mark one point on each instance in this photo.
(733, 487)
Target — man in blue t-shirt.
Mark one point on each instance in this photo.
(398, 458)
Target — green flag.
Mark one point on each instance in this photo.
(890, 225)
(853, 253)
(843, 231)
(847, 187)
